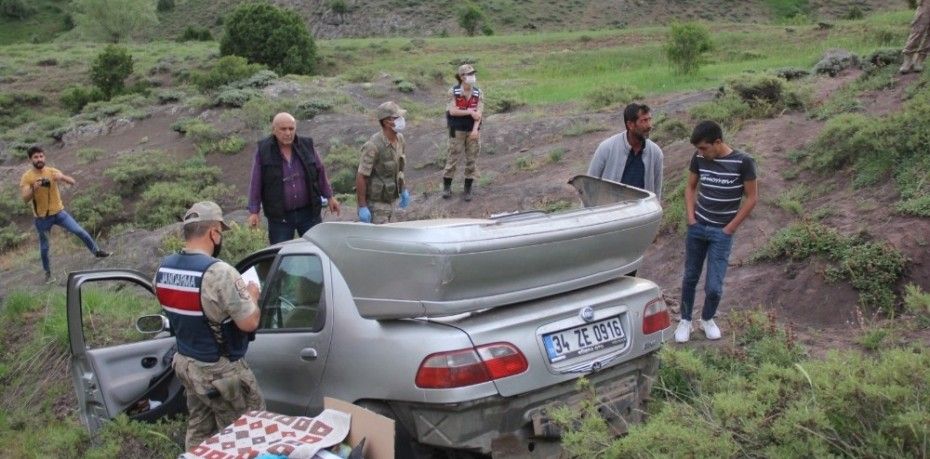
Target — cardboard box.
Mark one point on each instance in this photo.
(377, 430)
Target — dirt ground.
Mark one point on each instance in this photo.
(517, 173)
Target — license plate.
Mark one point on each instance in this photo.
(584, 339)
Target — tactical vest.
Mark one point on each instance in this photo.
(178, 287)
(272, 169)
(382, 183)
(463, 123)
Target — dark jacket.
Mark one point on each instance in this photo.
(273, 176)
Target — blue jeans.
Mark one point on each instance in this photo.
(300, 220)
(66, 221)
(710, 243)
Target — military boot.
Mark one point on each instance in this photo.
(908, 65)
(468, 189)
(446, 188)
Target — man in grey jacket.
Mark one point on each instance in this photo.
(630, 157)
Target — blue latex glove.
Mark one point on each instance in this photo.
(404, 199)
(364, 215)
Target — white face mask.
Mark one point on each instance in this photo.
(399, 124)
(470, 79)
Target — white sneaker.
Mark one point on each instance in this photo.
(711, 330)
(683, 332)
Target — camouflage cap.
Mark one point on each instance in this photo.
(465, 69)
(205, 211)
(388, 110)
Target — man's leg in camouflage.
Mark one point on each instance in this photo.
(916, 45)
(201, 423)
(381, 212)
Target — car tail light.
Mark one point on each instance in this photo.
(655, 316)
(464, 367)
(502, 360)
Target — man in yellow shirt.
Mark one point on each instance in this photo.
(40, 186)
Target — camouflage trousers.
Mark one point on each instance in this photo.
(217, 394)
(381, 212)
(458, 146)
(918, 42)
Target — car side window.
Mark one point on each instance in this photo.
(294, 297)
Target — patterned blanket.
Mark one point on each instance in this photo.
(258, 432)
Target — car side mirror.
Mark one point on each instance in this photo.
(154, 323)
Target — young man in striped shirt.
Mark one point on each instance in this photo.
(726, 196)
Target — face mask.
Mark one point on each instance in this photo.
(217, 247)
(399, 124)
(470, 79)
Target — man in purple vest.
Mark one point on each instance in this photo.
(213, 313)
(288, 182)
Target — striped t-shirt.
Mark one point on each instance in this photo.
(721, 186)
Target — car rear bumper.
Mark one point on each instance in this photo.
(520, 424)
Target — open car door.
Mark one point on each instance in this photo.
(115, 368)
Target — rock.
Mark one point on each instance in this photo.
(835, 61)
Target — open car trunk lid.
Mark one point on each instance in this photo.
(433, 268)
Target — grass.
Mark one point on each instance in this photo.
(36, 386)
(758, 395)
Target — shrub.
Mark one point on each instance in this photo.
(502, 101)
(755, 88)
(226, 70)
(871, 267)
(194, 33)
(311, 108)
(341, 166)
(339, 7)
(789, 9)
(667, 129)
(611, 95)
(227, 146)
(854, 13)
(167, 96)
(486, 30)
(114, 20)
(687, 43)
(96, 209)
(89, 155)
(11, 236)
(234, 97)
(269, 35)
(916, 301)
(16, 9)
(164, 5)
(469, 17)
(406, 86)
(110, 70)
(918, 207)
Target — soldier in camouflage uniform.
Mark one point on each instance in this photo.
(212, 312)
(380, 178)
(463, 116)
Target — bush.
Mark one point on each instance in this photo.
(667, 129)
(872, 268)
(854, 13)
(760, 397)
(311, 108)
(611, 95)
(470, 16)
(110, 70)
(96, 209)
(16, 9)
(406, 86)
(164, 5)
(755, 88)
(167, 96)
(193, 33)
(339, 7)
(226, 70)
(686, 46)
(76, 97)
(502, 101)
(234, 97)
(114, 20)
(11, 236)
(269, 35)
(341, 167)
(89, 155)
(789, 9)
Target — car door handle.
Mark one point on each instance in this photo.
(308, 353)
